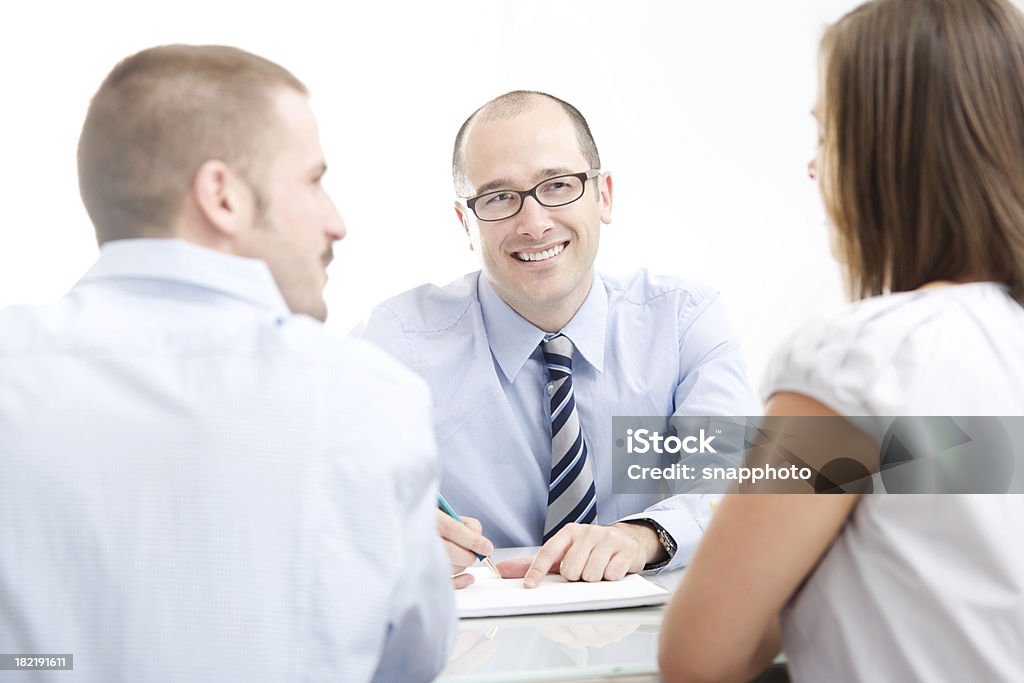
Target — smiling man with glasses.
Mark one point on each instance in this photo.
(530, 358)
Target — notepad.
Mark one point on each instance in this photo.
(490, 596)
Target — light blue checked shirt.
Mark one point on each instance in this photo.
(645, 345)
(197, 485)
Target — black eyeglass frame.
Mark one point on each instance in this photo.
(532, 192)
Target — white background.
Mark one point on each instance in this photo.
(700, 111)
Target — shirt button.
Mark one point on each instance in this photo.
(551, 388)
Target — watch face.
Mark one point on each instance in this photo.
(666, 540)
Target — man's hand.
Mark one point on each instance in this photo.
(588, 552)
(461, 541)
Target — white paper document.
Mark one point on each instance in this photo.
(490, 596)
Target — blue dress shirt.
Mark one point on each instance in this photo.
(197, 485)
(649, 346)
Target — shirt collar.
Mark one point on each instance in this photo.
(513, 339)
(179, 261)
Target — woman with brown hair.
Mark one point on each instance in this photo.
(921, 169)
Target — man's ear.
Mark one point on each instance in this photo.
(604, 184)
(461, 211)
(222, 197)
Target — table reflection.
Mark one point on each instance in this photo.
(558, 646)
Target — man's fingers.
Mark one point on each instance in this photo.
(514, 569)
(550, 555)
(459, 557)
(598, 561)
(462, 535)
(576, 557)
(474, 524)
(587, 552)
(462, 580)
(618, 567)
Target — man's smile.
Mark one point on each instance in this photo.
(541, 254)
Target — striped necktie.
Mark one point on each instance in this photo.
(571, 493)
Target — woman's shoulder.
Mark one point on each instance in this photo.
(878, 347)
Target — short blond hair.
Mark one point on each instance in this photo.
(158, 116)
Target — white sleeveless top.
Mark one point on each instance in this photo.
(915, 587)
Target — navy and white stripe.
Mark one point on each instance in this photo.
(571, 493)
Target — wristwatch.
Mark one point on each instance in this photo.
(664, 537)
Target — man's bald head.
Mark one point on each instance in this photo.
(509, 106)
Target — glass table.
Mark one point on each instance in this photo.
(612, 645)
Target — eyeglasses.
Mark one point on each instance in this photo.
(557, 191)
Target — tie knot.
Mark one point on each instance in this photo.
(558, 353)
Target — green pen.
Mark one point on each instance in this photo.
(447, 509)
